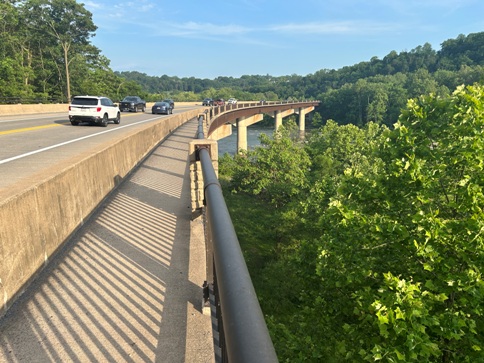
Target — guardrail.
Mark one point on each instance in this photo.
(216, 110)
(243, 333)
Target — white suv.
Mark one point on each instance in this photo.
(232, 101)
(93, 109)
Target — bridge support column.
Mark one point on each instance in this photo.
(278, 119)
(241, 135)
(242, 124)
(302, 123)
(302, 120)
(303, 111)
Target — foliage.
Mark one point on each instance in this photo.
(46, 53)
(373, 91)
(385, 252)
(275, 171)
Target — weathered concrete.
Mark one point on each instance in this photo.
(196, 176)
(127, 287)
(242, 124)
(37, 220)
(21, 109)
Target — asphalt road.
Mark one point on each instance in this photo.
(33, 143)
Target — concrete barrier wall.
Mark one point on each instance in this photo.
(38, 220)
(19, 109)
(6, 110)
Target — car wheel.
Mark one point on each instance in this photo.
(143, 109)
(117, 120)
(74, 123)
(104, 121)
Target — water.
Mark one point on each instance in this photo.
(229, 143)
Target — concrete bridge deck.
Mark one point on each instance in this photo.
(127, 286)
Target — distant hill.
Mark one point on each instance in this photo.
(463, 51)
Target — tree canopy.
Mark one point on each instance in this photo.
(46, 54)
(379, 255)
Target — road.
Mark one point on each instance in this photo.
(33, 143)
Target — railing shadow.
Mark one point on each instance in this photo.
(127, 287)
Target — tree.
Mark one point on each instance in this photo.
(400, 252)
(382, 256)
(275, 171)
(69, 24)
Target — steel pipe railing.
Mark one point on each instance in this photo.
(244, 337)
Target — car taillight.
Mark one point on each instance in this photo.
(98, 109)
(69, 108)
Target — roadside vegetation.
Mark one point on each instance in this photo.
(365, 243)
(46, 55)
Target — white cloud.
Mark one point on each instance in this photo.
(193, 28)
(342, 27)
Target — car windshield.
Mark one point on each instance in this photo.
(168, 101)
(85, 101)
(130, 99)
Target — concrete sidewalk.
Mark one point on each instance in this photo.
(128, 286)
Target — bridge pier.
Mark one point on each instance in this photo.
(241, 135)
(303, 111)
(277, 119)
(242, 124)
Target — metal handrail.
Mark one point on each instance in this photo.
(243, 333)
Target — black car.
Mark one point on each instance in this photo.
(207, 102)
(171, 102)
(162, 107)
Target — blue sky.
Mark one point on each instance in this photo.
(207, 39)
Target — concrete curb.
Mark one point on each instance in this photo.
(21, 109)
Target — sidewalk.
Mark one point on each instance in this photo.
(128, 286)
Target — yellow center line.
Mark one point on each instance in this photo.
(28, 129)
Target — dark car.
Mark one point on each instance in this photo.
(132, 103)
(162, 107)
(170, 101)
(207, 102)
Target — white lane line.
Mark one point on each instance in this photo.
(4, 161)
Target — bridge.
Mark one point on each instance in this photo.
(114, 269)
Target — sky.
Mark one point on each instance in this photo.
(208, 39)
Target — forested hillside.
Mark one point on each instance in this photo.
(374, 90)
(47, 55)
(365, 242)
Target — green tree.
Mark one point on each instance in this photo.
(69, 25)
(381, 258)
(401, 248)
(275, 171)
